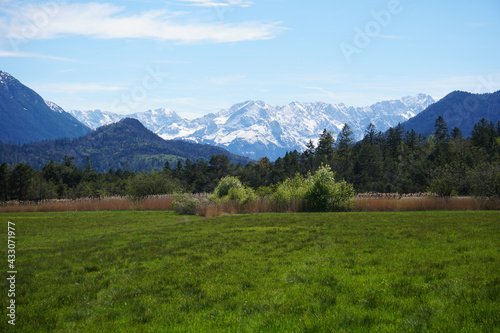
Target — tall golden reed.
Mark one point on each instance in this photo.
(368, 203)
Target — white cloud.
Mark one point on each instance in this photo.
(107, 21)
(223, 3)
(15, 54)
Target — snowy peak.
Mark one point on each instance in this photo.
(155, 118)
(54, 107)
(95, 118)
(256, 129)
(7, 81)
(5, 77)
(247, 115)
(152, 119)
(417, 100)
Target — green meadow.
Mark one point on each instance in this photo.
(142, 271)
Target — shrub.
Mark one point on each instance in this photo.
(186, 204)
(225, 185)
(230, 188)
(242, 195)
(324, 194)
(319, 192)
(291, 189)
(265, 190)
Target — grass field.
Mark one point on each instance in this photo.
(144, 271)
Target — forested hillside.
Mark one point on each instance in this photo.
(459, 109)
(125, 145)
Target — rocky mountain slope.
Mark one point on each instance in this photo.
(25, 117)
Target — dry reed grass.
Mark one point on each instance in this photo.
(372, 203)
(425, 203)
(161, 202)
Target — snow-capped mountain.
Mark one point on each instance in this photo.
(155, 119)
(95, 118)
(152, 119)
(256, 129)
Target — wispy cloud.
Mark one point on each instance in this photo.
(15, 54)
(107, 21)
(324, 91)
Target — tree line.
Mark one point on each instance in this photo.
(445, 163)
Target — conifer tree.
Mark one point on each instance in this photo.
(441, 152)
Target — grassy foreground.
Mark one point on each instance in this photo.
(134, 271)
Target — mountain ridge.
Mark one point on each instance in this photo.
(127, 144)
(459, 108)
(256, 129)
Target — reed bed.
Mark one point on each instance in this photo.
(385, 203)
(366, 202)
(425, 203)
(159, 202)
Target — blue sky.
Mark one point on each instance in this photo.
(198, 56)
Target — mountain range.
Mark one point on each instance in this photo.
(126, 144)
(256, 129)
(253, 128)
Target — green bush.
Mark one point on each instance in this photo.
(242, 195)
(319, 192)
(230, 188)
(225, 185)
(265, 190)
(185, 204)
(324, 194)
(289, 190)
